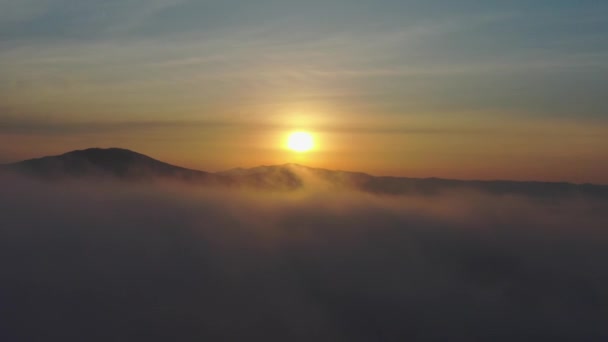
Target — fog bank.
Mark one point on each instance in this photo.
(112, 262)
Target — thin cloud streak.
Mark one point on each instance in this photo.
(38, 128)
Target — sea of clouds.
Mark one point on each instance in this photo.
(116, 262)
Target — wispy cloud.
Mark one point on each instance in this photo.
(70, 68)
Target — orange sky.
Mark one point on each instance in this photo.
(473, 89)
(560, 151)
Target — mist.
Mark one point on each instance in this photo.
(84, 261)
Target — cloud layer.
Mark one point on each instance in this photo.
(108, 262)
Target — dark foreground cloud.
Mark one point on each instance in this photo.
(109, 262)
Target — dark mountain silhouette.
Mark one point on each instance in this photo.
(126, 165)
(109, 163)
(122, 164)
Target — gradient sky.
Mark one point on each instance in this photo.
(455, 89)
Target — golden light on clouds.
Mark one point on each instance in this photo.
(300, 142)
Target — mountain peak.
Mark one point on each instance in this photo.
(100, 152)
(103, 149)
(108, 162)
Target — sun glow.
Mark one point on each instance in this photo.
(300, 142)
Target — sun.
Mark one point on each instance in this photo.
(300, 142)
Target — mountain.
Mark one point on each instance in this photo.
(106, 163)
(122, 164)
(125, 165)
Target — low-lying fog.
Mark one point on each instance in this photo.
(112, 262)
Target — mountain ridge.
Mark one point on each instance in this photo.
(124, 164)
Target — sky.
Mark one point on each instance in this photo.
(454, 89)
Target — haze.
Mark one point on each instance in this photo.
(303, 170)
(140, 262)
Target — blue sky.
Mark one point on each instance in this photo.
(548, 58)
(377, 65)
